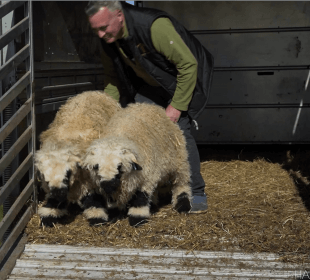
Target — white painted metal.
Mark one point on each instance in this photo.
(70, 262)
(6, 25)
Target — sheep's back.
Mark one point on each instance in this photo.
(154, 133)
(81, 118)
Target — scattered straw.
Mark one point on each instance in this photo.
(255, 205)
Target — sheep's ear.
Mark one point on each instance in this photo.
(69, 172)
(96, 166)
(119, 167)
(136, 166)
(133, 160)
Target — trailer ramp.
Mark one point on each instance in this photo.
(76, 262)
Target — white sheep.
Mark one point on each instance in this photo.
(77, 123)
(141, 150)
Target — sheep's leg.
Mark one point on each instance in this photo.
(181, 193)
(95, 209)
(52, 212)
(116, 212)
(139, 210)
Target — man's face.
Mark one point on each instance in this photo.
(108, 25)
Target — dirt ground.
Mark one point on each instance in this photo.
(258, 201)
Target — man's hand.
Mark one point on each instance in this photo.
(173, 114)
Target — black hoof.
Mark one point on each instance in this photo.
(74, 209)
(136, 221)
(183, 205)
(50, 221)
(96, 221)
(154, 208)
(115, 215)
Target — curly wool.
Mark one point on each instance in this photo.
(78, 122)
(157, 144)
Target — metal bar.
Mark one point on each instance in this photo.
(65, 65)
(16, 232)
(255, 106)
(69, 72)
(262, 68)
(15, 120)
(32, 119)
(55, 99)
(58, 87)
(16, 177)
(9, 265)
(271, 142)
(250, 30)
(15, 31)
(69, 86)
(14, 61)
(15, 149)
(14, 91)
(16, 207)
(9, 7)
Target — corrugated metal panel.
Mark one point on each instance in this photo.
(284, 87)
(252, 125)
(69, 262)
(266, 40)
(196, 15)
(259, 49)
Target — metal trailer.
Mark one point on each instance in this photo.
(261, 60)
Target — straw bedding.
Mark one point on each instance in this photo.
(259, 201)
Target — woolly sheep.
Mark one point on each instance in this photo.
(77, 123)
(141, 149)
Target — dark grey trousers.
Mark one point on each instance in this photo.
(157, 95)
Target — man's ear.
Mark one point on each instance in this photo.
(118, 13)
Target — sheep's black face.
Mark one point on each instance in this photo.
(111, 186)
(59, 193)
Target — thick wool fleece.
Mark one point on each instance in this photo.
(77, 123)
(80, 120)
(144, 134)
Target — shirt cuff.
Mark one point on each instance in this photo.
(180, 107)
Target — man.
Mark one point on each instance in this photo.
(149, 57)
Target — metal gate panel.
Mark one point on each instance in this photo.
(259, 49)
(23, 206)
(14, 61)
(14, 91)
(259, 87)
(252, 125)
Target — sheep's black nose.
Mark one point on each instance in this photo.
(59, 193)
(110, 186)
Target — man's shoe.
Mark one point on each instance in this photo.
(199, 204)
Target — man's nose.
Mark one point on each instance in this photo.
(101, 33)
